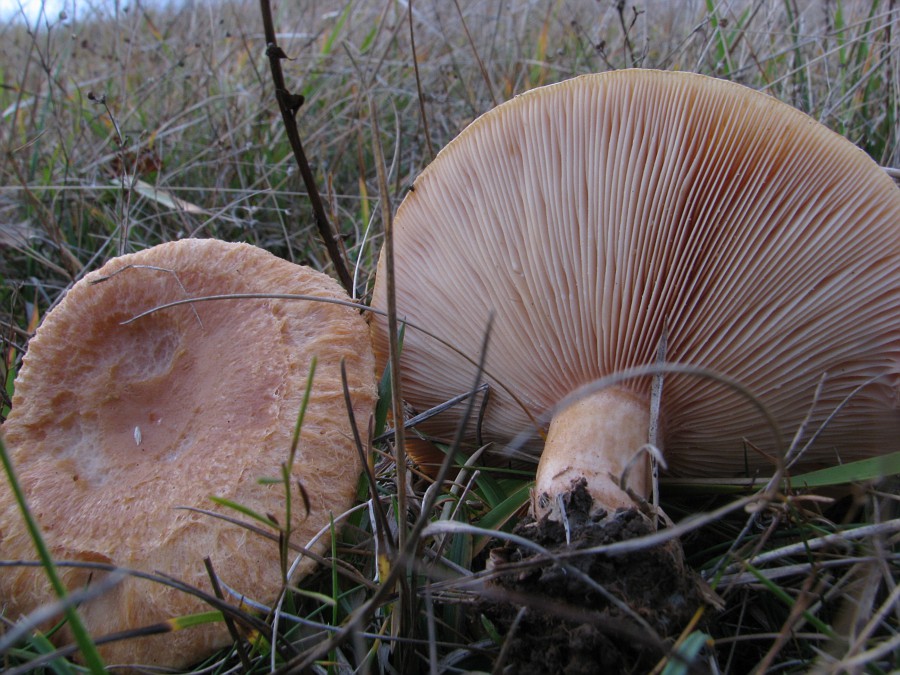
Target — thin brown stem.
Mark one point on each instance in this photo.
(484, 72)
(229, 622)
(289, 104)
(412, 43)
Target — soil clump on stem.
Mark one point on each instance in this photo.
(592, 613)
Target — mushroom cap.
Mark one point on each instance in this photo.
(113, 427)
(591, 217)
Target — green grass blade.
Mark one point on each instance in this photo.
(491, 490)
(788, 601)
(721, 48)
(502, 513)
(287, 470)
(240, 508)
(506, 509)
(873, 468)
(304, 404)
(853, 472)
(336, 31)
(88, 649)
(688, 652)
(191, 620)
(383, 405)
(42, 646)
(9, 385)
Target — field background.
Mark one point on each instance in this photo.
(139, 124)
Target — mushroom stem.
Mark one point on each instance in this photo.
(595, 439)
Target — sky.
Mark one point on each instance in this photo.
(10, 9)
(13, 9)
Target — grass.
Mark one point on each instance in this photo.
(121, 131)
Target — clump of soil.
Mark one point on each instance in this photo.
(572, 624)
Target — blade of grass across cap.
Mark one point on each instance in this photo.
(83, 640)
(246, 510)
(347, 303)
(257, 530)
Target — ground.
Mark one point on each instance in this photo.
(592, 613)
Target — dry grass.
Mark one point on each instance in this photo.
(119, 132)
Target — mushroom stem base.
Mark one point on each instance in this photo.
(595, 439)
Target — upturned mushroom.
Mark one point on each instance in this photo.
(116, 426)
(595, 217)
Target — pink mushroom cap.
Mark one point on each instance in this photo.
(116, 426)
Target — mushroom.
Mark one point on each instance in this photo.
(119, 432)
(596, 218)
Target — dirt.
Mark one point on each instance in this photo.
(555, 620)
